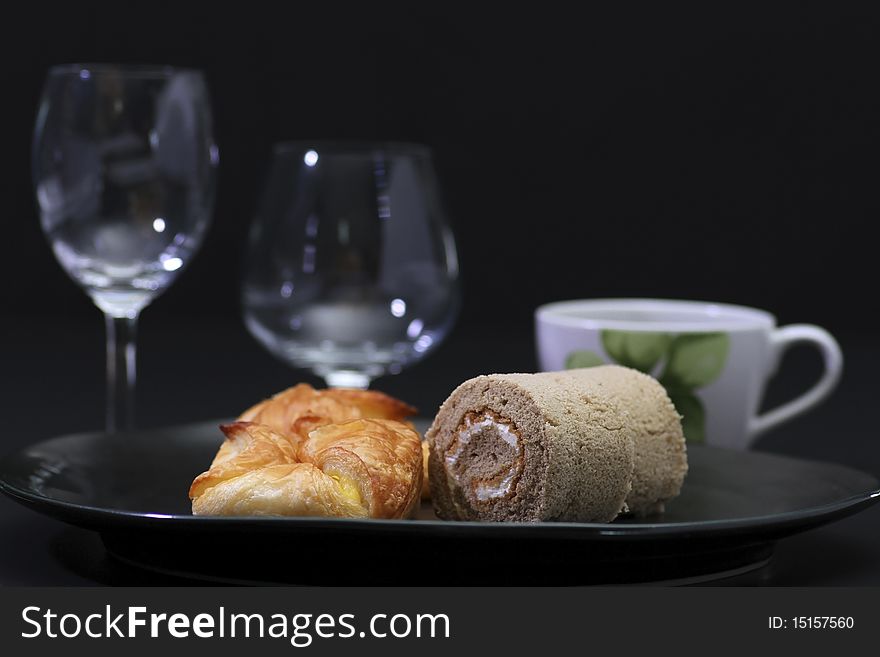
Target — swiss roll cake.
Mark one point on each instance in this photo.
(582, 445)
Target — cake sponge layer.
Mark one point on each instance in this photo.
(580, 445)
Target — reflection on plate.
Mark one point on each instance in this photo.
(132, 489)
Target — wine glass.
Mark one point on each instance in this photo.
(351, 269)
(124, 169)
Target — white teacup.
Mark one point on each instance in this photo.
(714, 359)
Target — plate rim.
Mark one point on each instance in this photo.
(676, 530)
(119, 518)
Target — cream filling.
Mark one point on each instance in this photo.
(495, 487)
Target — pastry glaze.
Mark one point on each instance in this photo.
(426, 483)
(302, 453)
(301, 408)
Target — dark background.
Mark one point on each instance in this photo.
(702, 152)
(692, 152)
(695, 152)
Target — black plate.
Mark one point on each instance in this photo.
(132, 489)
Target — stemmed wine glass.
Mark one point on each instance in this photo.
(351, 269)
(124, 166)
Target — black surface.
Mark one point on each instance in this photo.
(140, 479)
(52, 377)
(733, 506)
(131, 489)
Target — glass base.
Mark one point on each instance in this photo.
(120, 304)
(346, 379)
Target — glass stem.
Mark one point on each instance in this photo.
(121, 373)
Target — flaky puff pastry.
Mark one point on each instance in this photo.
(426, 484)
(299, 410)
(363, 468)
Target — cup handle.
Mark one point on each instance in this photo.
(780, 340)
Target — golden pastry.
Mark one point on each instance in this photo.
(391, 452)
(426, 481)
(316, 453)
(301, 408)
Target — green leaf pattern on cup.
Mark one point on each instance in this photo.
(583, 358)
(638, 350)
(689, 361)
(696, 359)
